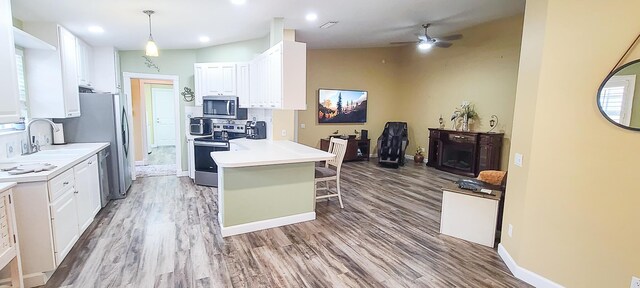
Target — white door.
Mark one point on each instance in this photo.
(164, 125)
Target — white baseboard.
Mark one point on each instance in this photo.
(141, 163)
(524, 274)
(182, 173)
(266, 224)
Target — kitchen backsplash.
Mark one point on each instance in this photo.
(13, 144)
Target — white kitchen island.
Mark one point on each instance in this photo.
(264, 184)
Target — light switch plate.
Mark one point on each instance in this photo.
(635, 282)
(303, 126)
(510, 231)
(518, 159)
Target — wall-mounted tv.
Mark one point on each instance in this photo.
(342, 106)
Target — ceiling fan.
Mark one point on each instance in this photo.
(425, 41)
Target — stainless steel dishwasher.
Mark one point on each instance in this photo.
(103, 171)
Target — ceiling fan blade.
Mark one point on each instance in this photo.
(403, 43)
(443, 44)
(450, 37)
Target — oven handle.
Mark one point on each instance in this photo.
(208, 144)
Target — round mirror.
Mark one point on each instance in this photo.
(619, 96)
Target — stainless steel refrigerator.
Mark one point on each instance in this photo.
(104, 118)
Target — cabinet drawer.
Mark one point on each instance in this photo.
(85, 163)
(461, 138)
(60, 184)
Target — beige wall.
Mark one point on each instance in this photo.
(374, 70)
(574, 204)
(481, 68)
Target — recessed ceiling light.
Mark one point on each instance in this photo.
(312, 17)
(204, 39)
(95, 29)
(238, 2)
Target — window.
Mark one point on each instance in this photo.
(22, 90)
(616, 98)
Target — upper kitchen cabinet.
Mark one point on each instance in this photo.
(214, 79)
(10, 108)
(243, 87)
(280, 77)
(84, 58)
(52, 76)
(106, 69)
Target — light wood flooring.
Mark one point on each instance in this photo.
(166, 234)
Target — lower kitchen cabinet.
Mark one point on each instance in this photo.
(64, 222)
(87, 183)
(52, 215)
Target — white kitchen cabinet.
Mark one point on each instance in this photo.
(57, 96)
(243, 87)
(51, 216)
(84, 61)
(64, 221)
(199, 80)
(10, 108)
(87, 184)
(259, 82)
(279, 77)
(105, 70)
(191, 158)
(214, 79)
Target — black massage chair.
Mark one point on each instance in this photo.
(393, 143)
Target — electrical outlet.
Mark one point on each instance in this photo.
(302, 126)
(510, 231)
(518, 159)
(284, 132)
(635, 282)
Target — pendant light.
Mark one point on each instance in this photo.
(151, 49)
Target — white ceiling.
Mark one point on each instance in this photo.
(177, 24)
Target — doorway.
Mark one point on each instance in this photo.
(155, 133)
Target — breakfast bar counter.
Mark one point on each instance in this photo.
(264, 184)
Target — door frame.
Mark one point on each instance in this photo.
(153, 108)
(127, 76)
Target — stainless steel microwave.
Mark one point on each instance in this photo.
(220, 107)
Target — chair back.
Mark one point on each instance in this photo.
(337, 147)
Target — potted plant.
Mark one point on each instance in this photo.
(465, 112)
(418, 158)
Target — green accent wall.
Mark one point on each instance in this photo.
(266, 192)
(635, 106)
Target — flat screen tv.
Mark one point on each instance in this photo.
(342, 106)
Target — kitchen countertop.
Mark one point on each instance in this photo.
(248, 153)
(62, 156)
(6, 186)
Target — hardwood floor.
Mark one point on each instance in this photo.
(166, 234)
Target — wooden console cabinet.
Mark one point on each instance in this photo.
(357, 149)
(464, 153)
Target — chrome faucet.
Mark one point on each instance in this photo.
(32, 146)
